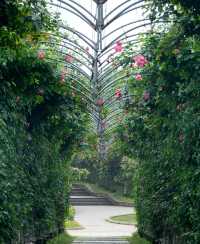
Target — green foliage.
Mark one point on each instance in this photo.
(162, 132)
(136, 239)
(61, 239)
(71, 213)
(40, 125)
(78, 175)
(126, 175)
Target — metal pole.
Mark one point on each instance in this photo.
(96, 82)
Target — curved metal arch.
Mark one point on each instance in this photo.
(136, 27)
(108, 65)
(59, 61)
(113, 10)
(79, 83)
(61, 52)
(72, 43)
(80, 6)
(75, 67)
(106, 86)
(113, 114)
(74, 11)
(80, 92)
(123, 99)
(113, 75)
(131, 41)
(122, 26)
(83, 37)
(121, 35)
(112, 69)
(121, 13)
(112, 84)
(80, 54)
(122, 39)
(110, 130)
(104, 78)
(72, 77)
(109, 101)
(69, 47)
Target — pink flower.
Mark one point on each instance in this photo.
(100, 102)
(118, 93)
(146, 96)
(69, 58)
(140, 60)
(118, 47)
(138, 77)
(41, 54)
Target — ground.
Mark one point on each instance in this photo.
(93, 219)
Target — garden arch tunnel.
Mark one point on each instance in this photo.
(98, 78)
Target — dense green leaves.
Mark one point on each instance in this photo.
(163, 130)
(40, 125)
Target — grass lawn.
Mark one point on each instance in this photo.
(72, 224)
(136, 239)
(114, 195)
(124, 219)
(63, 238)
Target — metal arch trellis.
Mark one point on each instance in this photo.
(100, 76)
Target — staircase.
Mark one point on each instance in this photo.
(81, 196)
(101, 240)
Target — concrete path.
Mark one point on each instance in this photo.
(93, 219)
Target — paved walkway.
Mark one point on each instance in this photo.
(93, 219)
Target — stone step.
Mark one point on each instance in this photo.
(89, 201)
(101, 240)
(80, 193)
(80, 196)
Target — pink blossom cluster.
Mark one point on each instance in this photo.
(118, 93)
(100, 102)
(41, 55)
(138, 77)
(69, 58)
(118, 47)
(62, 75)
(139, 61)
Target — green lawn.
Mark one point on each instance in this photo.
(125, 219)
(115, 195)
(136, 239)
(63, 238)
(72, 224)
